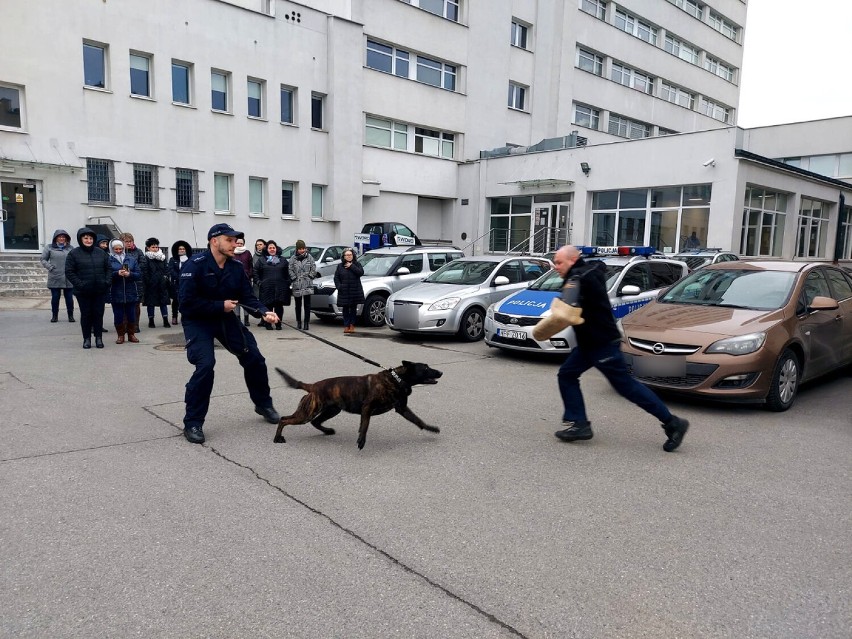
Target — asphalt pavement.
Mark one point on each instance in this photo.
(112, 525)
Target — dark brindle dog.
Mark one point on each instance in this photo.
(364, 395)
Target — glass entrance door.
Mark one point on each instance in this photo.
(20, 216)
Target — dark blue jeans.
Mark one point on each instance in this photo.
(56, 293)
(350, 314)
(609, 361)
(239, 341)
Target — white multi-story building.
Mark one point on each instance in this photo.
(469, 120)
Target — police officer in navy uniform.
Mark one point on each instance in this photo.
(212, 284)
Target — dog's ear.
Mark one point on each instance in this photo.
(407, 364)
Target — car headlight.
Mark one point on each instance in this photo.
(740, 345)
(489, 312)
(445, 304)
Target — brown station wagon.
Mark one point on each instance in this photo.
(744, 331)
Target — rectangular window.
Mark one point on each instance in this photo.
(388, 59)
(587, 116)
(846, 230)
(448, 9)
(626, 128)
(596, 8)
(631, 78)
(145, 191)
(437, 143)
(676, 95)
(692, 8)
(219, 81)
(10, 107)
(588, 61)
(517, 95)
(724, 27)
(715, 111)
(221, 193)
(257, 201)
(719, 68)
(140, 75)
(681, 50)
(813, 228)
(823, 164)
(317, 204)
(255, 90)
(288, 190)
(436, 73)
(95, 65)
(764, 217)
(518, 36)
(317, 104)
(385, 133)
(181, 82)
(100, 179)
(288, 101)
(186, 189)
(635, 27)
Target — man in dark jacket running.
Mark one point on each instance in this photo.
(598, 342)
(212, 284)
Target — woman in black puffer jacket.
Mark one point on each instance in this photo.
(156, 282)
(87, 268)
(273, 273)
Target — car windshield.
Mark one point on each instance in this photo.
(553, 281)
(693, 262)
(463, 273)
(757, 290)
(377, 263)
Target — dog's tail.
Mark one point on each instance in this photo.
(293, 383)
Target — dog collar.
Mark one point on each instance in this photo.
(396, 377)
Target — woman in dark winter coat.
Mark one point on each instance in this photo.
(257, 258)
(303, 270)
(124, 293)
(350, 293)
(181, 252)
(156, 281)
(245, 257)
(87, 268)
(274, 275)
(53, 259)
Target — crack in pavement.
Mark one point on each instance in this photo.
(397, 562)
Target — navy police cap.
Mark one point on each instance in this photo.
(223, 229)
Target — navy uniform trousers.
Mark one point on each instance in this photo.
(238, 340)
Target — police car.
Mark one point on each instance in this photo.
(632, 280)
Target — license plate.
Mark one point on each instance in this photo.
(660, 366)
(520, 335)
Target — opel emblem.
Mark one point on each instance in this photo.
(658, 348)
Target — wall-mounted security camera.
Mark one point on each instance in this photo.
(710, 162)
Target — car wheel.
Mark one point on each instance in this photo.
(374, 311)
(472, 327)
(785, 382)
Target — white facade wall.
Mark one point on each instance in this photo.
(319, 46)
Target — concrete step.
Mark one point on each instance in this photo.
(22, 276)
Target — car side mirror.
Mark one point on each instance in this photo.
(328, 259)
(823, 303)
(403, 270)
(501, 280)
(630, 289)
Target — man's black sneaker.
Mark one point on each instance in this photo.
(269, 414)
(194, 434)
(675, 429)
(575, 431)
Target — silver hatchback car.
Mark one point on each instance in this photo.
(453, 299)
